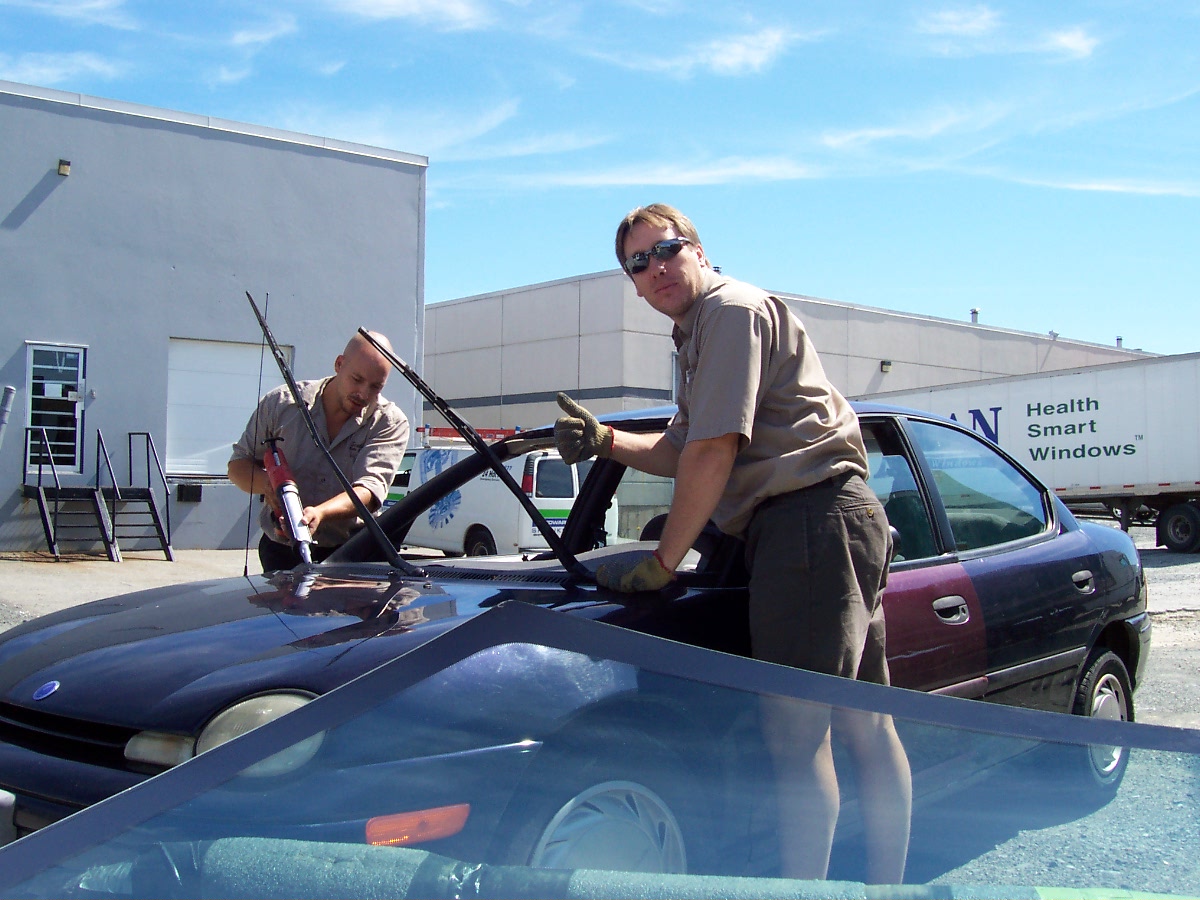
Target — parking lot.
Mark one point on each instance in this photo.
(33, 584)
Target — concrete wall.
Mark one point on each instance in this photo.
(164, 222)
(499, 358)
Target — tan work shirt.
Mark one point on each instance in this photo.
(747, 367)
(368, 450)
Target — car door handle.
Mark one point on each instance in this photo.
(1084, 582)
(952, 610)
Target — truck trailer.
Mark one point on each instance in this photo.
(1123, 436)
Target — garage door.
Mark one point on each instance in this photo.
(212, 388)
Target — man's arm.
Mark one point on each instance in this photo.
(339, 506)
(702, 473)
(650, 453)
(251, 477)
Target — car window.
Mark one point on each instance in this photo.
(405, 470)
(553, 479)
(987, 499)
(893, 482)
(641, 500)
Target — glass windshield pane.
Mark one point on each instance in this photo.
(525, 768)
(987, 499)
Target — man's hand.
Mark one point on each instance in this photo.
(633, 571)
(578, 434)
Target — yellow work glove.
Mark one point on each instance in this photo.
(633, 571)
(578, 434)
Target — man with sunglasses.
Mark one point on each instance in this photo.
(768, 449)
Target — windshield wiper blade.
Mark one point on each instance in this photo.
(480, 446)
(369, 522)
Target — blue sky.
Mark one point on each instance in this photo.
(1037, 160)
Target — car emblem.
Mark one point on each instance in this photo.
(46, 690)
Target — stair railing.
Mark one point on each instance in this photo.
(152, 456)
(102, 453)
(43, 458)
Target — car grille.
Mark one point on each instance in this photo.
(66, 738)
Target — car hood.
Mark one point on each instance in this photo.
(171, 657)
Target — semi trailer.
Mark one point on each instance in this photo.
(1122, 436)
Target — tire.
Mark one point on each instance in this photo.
(1180, 528)
(630, 815)
(479, 542)
(1104, 692)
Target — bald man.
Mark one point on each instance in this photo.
(366, 433)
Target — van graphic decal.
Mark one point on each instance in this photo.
(443, 511)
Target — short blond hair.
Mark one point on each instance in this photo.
(657, 215)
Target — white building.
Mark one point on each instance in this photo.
(129, 237)
(499, 358)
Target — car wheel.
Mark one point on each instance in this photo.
(630, 816)
(1181, 528)
(1104, 693)
(479, 542)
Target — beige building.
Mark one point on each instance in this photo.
(499, 358)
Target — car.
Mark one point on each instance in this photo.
(996, 593)
(451, 778)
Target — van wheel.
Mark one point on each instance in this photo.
(479, 542)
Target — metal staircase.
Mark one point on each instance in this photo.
(103, 511)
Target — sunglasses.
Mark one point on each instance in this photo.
(663, 250)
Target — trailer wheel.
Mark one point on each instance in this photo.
(1180, 528)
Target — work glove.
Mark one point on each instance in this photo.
(578, 434)
(633, 571)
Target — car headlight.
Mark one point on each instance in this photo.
(164, 749)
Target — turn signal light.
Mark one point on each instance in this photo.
(402, 829)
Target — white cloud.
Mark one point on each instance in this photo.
(731, 55)
(453, 14)
(731, 170)
(331, 68)
(50, 69)
(280, 26)
(1113, 186)
(977, 21)
(538, 145)
(1076, 43)
(933, 125)
(428, 133)
(229, 75)
(88, 12)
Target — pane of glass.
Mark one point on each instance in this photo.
(641, 497)
(893, 482)
(986, 498)
(522, 757)
(55, 376)
(553, 479)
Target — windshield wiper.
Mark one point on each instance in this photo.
(369, 522)
(480, 446)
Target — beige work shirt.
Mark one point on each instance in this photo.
(747, 367)
(368, 450)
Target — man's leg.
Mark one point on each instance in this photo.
(806, 786)
(884, 790)
(275, 556)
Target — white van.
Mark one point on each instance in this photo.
(483, 518)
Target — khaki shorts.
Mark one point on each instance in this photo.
(818, 565)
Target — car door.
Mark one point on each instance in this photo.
(1036, 583)
(935, 625)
